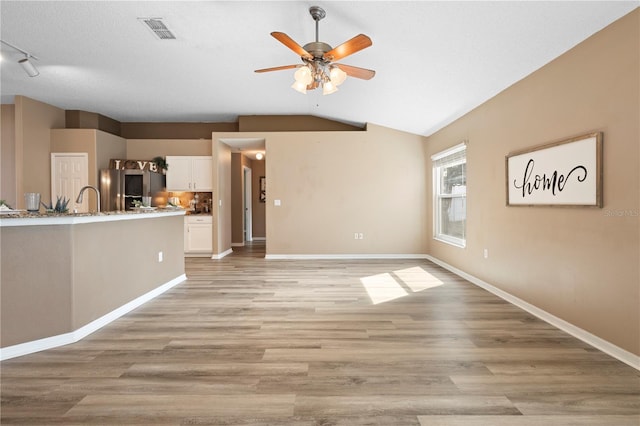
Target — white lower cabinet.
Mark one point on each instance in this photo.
(198, 234)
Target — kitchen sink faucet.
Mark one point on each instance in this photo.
(79, 199)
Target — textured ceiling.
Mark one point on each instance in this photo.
(435, 61)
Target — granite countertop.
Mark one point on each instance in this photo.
(24, 218)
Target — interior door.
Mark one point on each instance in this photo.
(69, 173)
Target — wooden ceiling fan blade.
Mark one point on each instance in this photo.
(357, 72)
(349, 47)
(291, 44)
(283, 67)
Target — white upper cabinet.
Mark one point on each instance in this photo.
(179, 174)
(202, 173)
(190, 174)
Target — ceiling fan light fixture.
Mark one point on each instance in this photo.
(337, 76)
(303, 75)
(329, 87)
(299, 86)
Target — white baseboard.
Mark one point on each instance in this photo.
(197, 255)
(343, 256)
(577, 332)
(76, 335)
(221, 255)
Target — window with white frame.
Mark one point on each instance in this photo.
(450, 195)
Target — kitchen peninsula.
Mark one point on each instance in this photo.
(65, 276)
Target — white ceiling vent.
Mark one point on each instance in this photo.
(158, 28)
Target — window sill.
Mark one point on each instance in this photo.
(451, 242)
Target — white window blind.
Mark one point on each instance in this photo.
(455, 154)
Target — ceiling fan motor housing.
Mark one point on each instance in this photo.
(317, 48)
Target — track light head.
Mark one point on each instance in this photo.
(28, 67)
(25, 63)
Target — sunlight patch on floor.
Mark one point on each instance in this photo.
(417, 278)
(384, 287)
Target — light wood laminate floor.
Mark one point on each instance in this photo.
(246, 341)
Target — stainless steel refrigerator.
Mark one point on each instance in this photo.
(119, 188)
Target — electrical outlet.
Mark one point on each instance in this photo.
(355, 235)
(486, 253)
(160, 257)
(360, 236)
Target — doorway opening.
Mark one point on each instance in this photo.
(247, 209)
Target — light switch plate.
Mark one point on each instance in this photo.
(276, 202)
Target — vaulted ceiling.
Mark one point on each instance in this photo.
(434, 60)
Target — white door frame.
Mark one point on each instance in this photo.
(247, 205)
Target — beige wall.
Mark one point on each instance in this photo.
(74, 274)
(580, 264)
(332, 184)
(160, 131)
(35, 283)
(108, 146)
(76, 119)
(291, 123)
(222, 216)
(146, 149)
(34, 121)
(102, 283)
(8, 154)
(237, 236)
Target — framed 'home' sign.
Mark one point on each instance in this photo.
(565, 173)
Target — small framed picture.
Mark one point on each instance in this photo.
(263, 189)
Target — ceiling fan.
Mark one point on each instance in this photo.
(319, 69)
